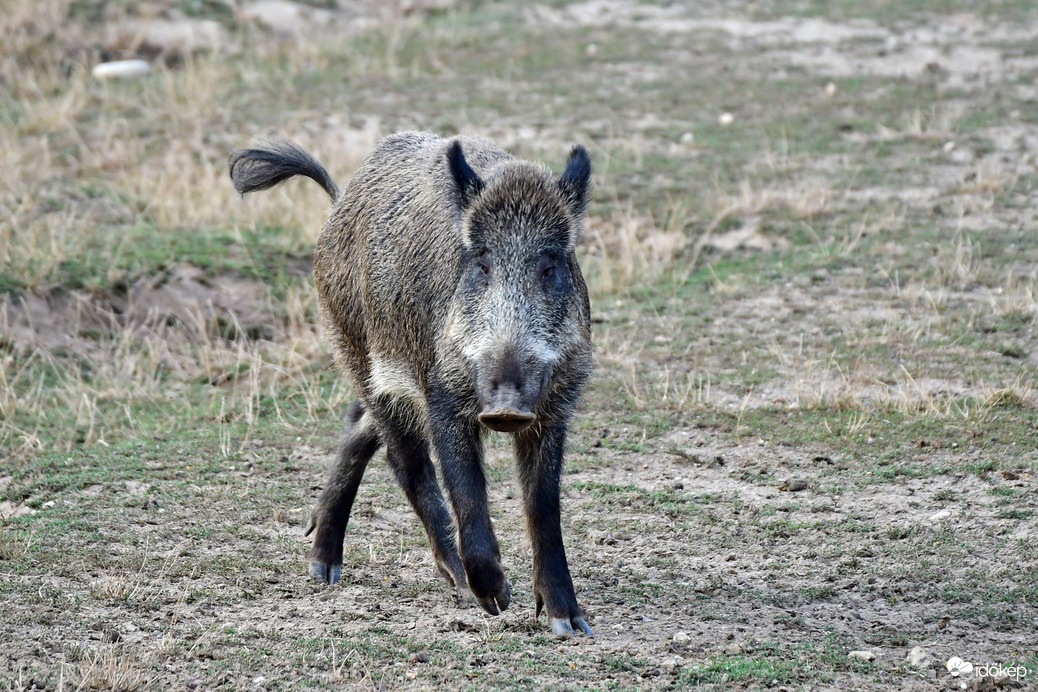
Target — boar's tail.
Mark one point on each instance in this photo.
(273, 161)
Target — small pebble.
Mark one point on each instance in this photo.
(918, 656)
(726, 119)
(121, 69)
(830, 89)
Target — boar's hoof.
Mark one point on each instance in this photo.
(507, 420)
(323, 572)
(462, 592)
(463, 597)
(498, 602)
(564, 627)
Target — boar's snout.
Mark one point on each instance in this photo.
(504, 416)
(509, 391)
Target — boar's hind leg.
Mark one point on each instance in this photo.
(332, 512)
(539, 456)
(460, 451)
(408, 456)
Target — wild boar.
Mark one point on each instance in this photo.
(452, 300)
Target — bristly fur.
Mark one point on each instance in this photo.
(574, 180)
(452, 299)
(469, 184)
(273, 161)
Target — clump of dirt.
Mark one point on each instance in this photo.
(183, 297)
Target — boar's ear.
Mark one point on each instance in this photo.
(468, 183)
(575, 181)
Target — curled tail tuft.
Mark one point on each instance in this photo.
(273, 161)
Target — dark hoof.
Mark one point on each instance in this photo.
(496, 603)
(325, 573)
(568, 627)
(326, 554)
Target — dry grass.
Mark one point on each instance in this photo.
(83, 157)
(801, 201)
(147, 363)
(930, 123)
(871, 388)
(169, 173)
(143, 585)
(626, 248)
(796, 194)
(666, 391)
(81, 154)
(105, 668)
(1018, 295)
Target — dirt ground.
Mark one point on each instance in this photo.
(807, 460)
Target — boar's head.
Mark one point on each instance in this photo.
(520, 309)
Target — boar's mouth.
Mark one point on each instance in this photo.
(510, 388)
(507, 420)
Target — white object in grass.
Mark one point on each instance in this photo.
(121, 69)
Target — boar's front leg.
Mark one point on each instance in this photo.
(460, 450)
(539, 456)
(408, 456)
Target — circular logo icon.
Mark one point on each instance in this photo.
(956, 666)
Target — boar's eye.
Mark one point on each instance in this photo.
(484, 265)
(546, 269)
